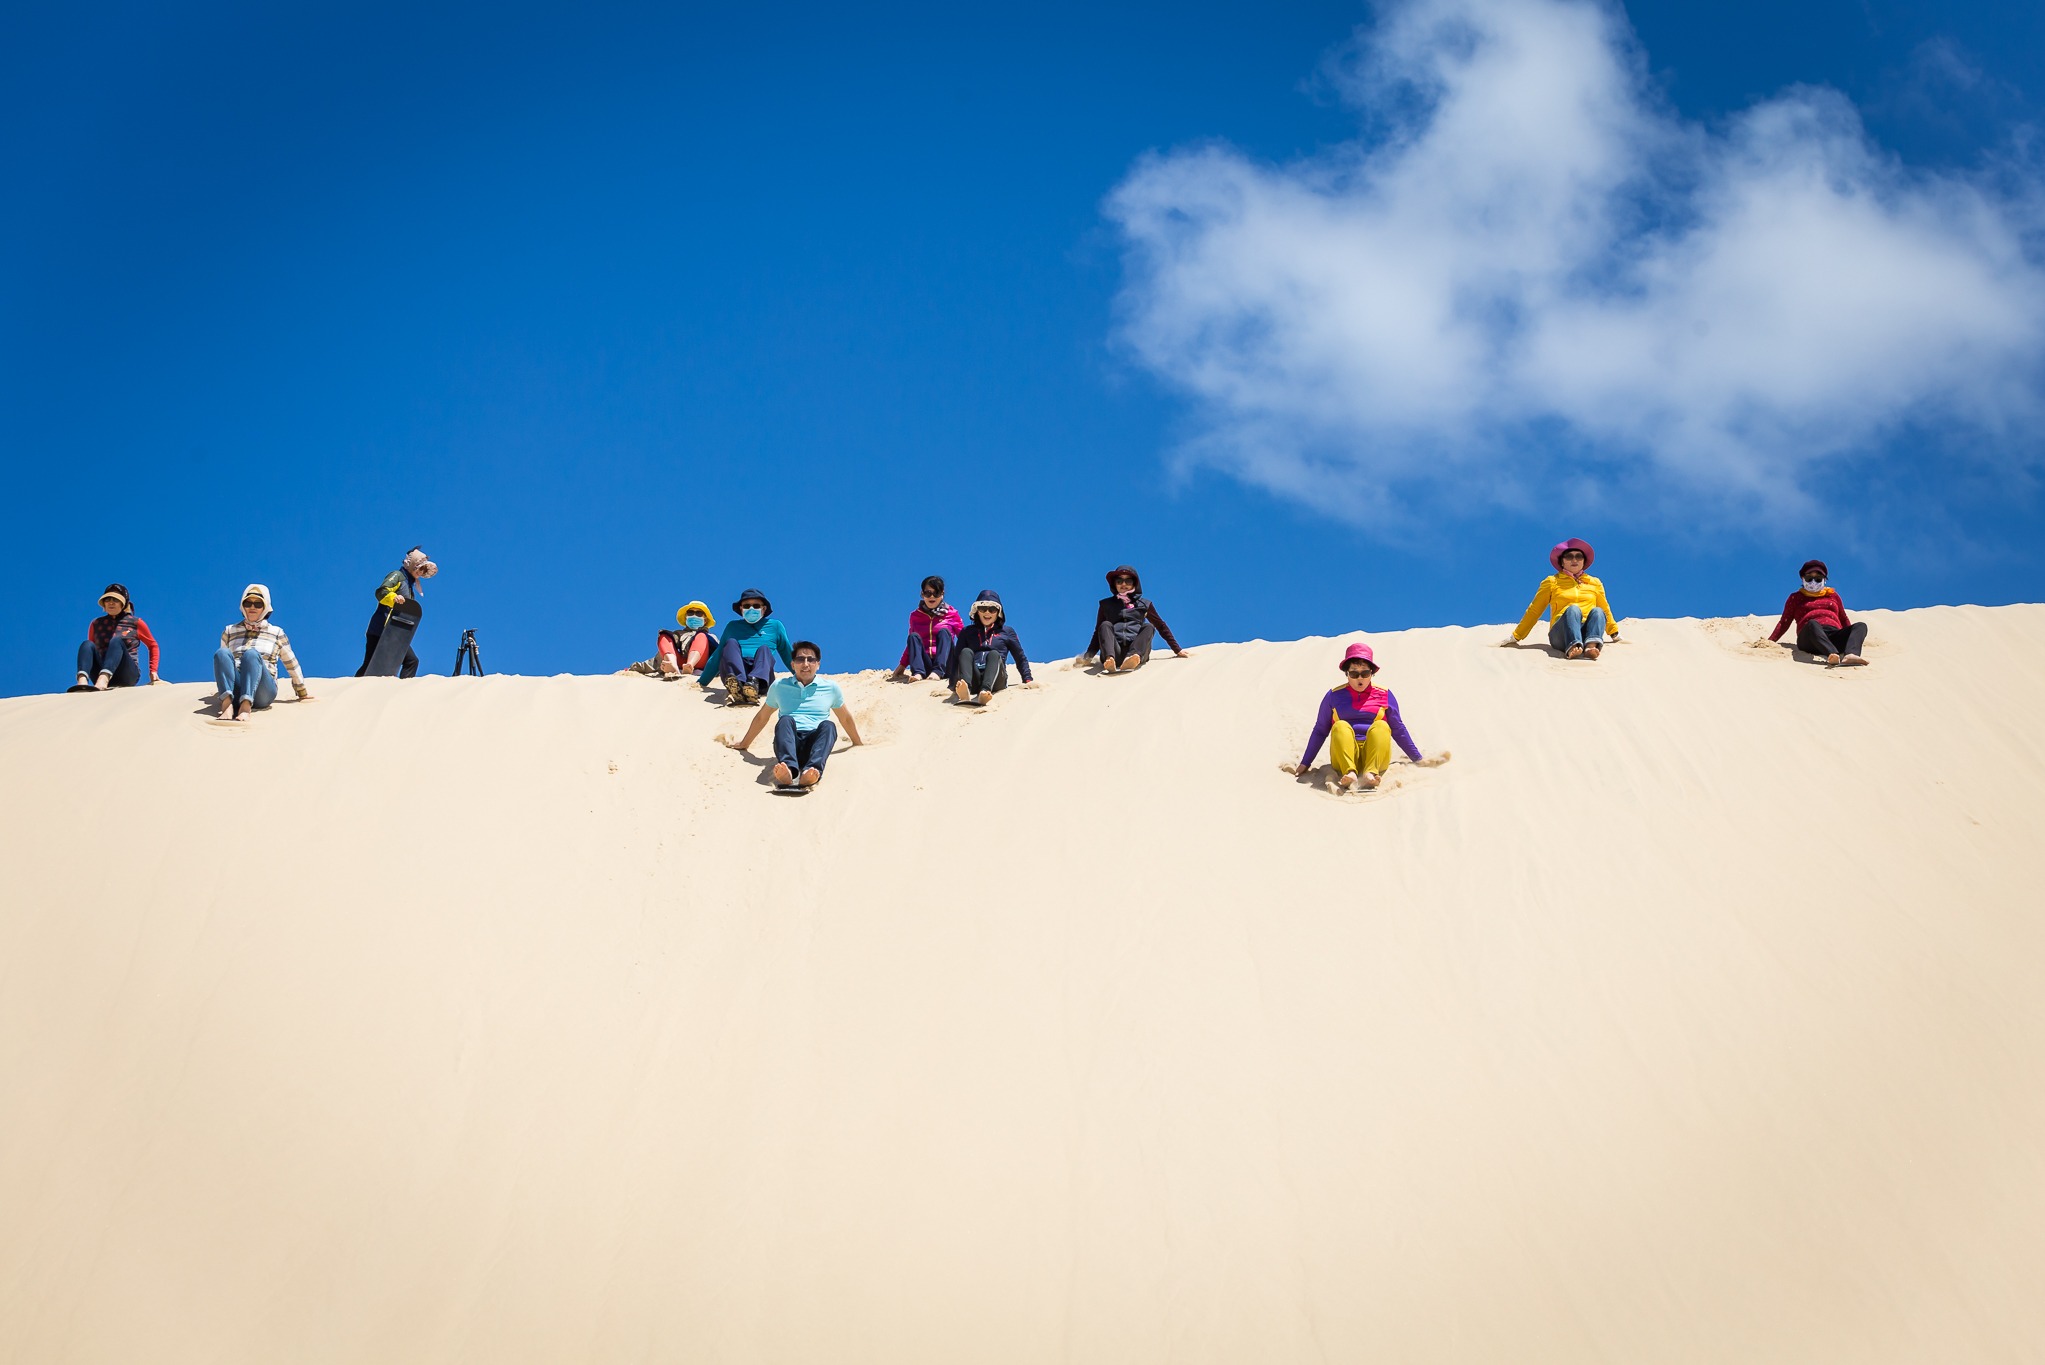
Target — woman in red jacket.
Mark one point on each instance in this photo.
(1823, 629)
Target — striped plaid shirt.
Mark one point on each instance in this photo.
(269, 641)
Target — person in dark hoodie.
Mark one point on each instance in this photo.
(979, 665)
(1823, 629)
(1125, 625)
(112, 653)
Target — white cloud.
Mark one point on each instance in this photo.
(1530, 279)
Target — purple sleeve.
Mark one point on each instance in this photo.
(1398, 728)
(1323, 723)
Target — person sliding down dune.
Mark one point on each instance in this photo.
(979, 666)
(112, 653)
(245, 665)
(746, 652)
(934, 627)
(1125, 625)
(804, 736)
(1823, 630)
(1579, 617)
(1358, 721)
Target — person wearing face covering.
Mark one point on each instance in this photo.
(406, 583)
(1125, 625)
(1580, 619)
(685, 649)
(1360, 722)
(245, 665)
(1823, 629)
(745, 653)
(934, 627)
(112, 653)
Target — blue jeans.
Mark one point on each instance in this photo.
(1574, 628)
(936, 659)
(734, 666)
(245, 678)
(801, 749)
(118, 657)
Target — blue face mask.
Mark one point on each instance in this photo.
(753, 615)
(693, 621)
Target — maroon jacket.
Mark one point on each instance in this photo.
(1826, 609)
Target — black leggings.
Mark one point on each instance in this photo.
(1824, 641)
(1115, 647)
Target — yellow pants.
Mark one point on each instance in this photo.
(1376, 746)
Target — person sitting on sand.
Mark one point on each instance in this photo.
(402, 584)
(684, 650)
(1579, 617)
(112, 653)
(1823, 629)
(747, 650)
(1358, 721)
(804, 735)
(245, 665)
(934, 627)
(1125, 625)
(979, 666)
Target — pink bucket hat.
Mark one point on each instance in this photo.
(1358, 652)
(1555, 555)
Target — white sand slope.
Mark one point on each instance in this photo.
(1692, 1013)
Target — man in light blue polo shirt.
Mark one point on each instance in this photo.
(804, 735)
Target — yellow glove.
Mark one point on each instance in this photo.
(389, 599)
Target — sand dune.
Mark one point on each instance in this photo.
(1692, 1013)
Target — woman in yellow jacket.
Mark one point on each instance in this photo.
(1580, 618)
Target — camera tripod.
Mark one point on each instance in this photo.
(467, 653)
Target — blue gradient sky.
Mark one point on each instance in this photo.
(612, 306)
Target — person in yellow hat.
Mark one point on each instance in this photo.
(686, 649)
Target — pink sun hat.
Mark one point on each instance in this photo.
(1358, 652)
(1555, 555)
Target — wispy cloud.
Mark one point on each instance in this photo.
(1528, 280)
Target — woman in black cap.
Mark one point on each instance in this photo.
(1823, 629)
(112, 653)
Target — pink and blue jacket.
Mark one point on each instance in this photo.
(923, 626)
(1360, 710)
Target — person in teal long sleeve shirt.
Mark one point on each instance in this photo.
(745, 653)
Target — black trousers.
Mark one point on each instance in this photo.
(983, 670)
(1115, 647)
(1822, 641)
(408, 669)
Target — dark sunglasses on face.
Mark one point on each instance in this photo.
(1359, 672)
(1814, 580)
(806, 659)
(251, 602)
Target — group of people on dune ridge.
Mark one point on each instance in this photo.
(971, 654)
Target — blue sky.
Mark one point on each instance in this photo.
(611, 306)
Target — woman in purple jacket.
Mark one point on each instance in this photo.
(1359, 722)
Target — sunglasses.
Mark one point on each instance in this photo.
(1359, 672)
(807, 659)
(933, 597)
(1814, 580)
(248, 602)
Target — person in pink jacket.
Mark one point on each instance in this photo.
(934, 627)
